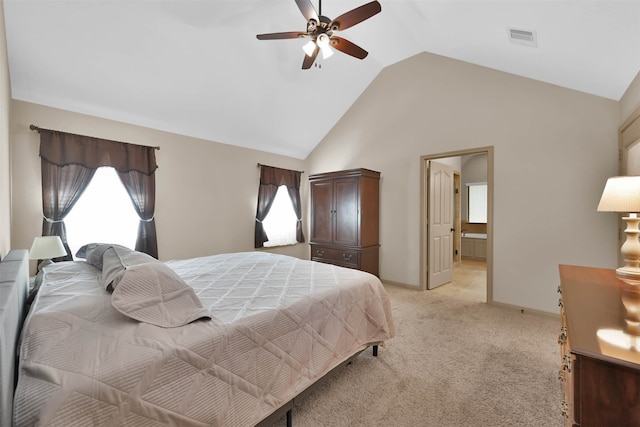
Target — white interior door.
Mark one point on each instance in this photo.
(440, 224)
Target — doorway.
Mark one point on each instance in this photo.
(424, 213)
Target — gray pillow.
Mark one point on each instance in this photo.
(155, 294)
(93, 252)
(116, 259)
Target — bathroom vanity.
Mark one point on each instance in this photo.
(474, 245)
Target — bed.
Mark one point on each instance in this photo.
(264, 329)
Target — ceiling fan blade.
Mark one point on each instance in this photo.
(307, 9)
(349, 48)
(278, 36)
(309, 60)
(356, 16)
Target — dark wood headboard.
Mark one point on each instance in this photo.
(14, 287)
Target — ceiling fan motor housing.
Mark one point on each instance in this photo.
(325, 26)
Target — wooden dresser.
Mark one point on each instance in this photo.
(344, 227)
(600, 381)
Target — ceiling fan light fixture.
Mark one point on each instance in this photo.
(326, 52)
(323, 44)
(309, 47)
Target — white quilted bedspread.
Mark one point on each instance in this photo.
(278, 324)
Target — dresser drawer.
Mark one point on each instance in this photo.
(337, 256)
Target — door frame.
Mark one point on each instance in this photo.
(457, 220)
(424, 209)
(628, 136)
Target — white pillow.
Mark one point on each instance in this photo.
(155, 294)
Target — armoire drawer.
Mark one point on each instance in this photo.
(337, 256)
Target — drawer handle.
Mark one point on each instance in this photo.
(562, 376)
(347, 257)
(319, 252)
(565, 409)
(562, 339)
(566, 362)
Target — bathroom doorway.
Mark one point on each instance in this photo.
(470, 269)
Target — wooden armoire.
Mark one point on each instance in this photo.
(345, 216)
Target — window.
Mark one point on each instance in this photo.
(477, 202)
(104, 202)
(278, 212)
(280, 222)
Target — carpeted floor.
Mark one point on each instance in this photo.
(454, 362)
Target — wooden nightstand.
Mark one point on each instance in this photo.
(601, 382)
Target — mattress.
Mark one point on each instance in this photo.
(277, 325)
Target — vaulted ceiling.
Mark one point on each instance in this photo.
(195, 67)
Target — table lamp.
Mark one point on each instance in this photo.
(622, 194)
(45, 248)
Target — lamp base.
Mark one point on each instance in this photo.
(43, 264)
(629, 275)
(630, 296)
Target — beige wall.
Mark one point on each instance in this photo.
(206, 192)
(631, 99)
(554, 149)
(5, 164)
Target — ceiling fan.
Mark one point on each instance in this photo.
(320, 31)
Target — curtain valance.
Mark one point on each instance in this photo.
(270, 175)
(62, 149)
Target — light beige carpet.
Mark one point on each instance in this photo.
(454, 362)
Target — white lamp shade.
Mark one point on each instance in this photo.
(323, 43)
(47, 247)
(621, 194)
(309, 48)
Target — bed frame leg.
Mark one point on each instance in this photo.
(375, 351)
(289, 418)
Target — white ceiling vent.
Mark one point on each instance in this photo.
(523, 37)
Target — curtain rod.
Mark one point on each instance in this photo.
(38, 129)
(260, 164)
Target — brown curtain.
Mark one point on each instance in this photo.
(68, 164)
(62, 186)
(270, 179)
(142, 190)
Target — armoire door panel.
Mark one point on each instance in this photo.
(346, 214)
(321, 211)
(369, 212)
